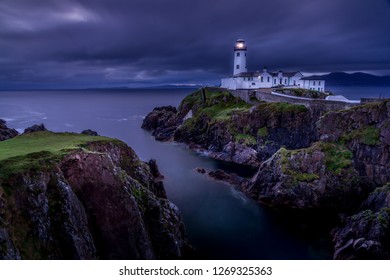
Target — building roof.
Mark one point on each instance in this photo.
(285, 74)
(248, 74)
(258, 73)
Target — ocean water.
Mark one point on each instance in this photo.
(221, 222)
(355, 93)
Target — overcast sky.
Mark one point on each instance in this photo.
(86, 43)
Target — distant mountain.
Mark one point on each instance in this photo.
(177, 86)
(171, 86)
(354, 79)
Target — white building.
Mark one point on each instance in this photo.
(242, 79)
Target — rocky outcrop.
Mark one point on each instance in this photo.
(98, 202)
(220, 175)
(162, 121)
(338, 172)
(366, 235)
(238, 153)
(307, 157)
(232, 130)
(365, 130)
(35, 128)
(5, 132)
(319, 177)
(89, 132)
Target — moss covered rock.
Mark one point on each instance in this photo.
(74, 196)
(365, 130)
(366, 234)
(321, 176)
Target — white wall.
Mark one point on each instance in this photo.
(228, 83)
(265, 83)
(318, 85)
(240, 61)
(255, 82)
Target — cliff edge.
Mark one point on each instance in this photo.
(305, 158)
(75, 196)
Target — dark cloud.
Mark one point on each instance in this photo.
(73, 43)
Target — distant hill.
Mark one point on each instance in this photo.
(171, 86)
(354, 79)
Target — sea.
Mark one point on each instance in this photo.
(221, 222)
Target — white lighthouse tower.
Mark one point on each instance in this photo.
(239, 57)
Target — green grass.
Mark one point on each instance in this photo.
(223, 111)
(219, 105)
(369, 135)
(306, 177)
(55, 143)
(337, 157)
(262, 132)
(246, 139)
(193, 98)
(36, 150)
(283, 107)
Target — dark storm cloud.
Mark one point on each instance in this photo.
(74, 43)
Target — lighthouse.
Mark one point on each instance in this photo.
(239, 57)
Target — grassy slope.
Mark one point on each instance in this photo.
(220, 106)
(34, 150)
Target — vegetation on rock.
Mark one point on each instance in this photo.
(307, 159)
(301, 92)
(33, 151)
(75, 196)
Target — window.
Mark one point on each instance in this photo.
(319, 83)
(319, 89)
(275, 81)
(238, 54)
(262, 79)
(285, 81)
(314, 83)
(253, 84)
(268, 79)
(280, 81)
(295, 83)
(237, 66)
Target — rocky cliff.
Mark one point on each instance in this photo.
(229, 129)
(350, 159)
(74, 196)
(366, 234)
(306, 158)
(5, 132)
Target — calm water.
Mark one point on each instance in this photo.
(359, 92)
(221, 222)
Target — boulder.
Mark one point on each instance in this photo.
(237, 153)
(89, 132)
(35, 128)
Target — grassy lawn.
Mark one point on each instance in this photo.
(35, 151)
(54, 143)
